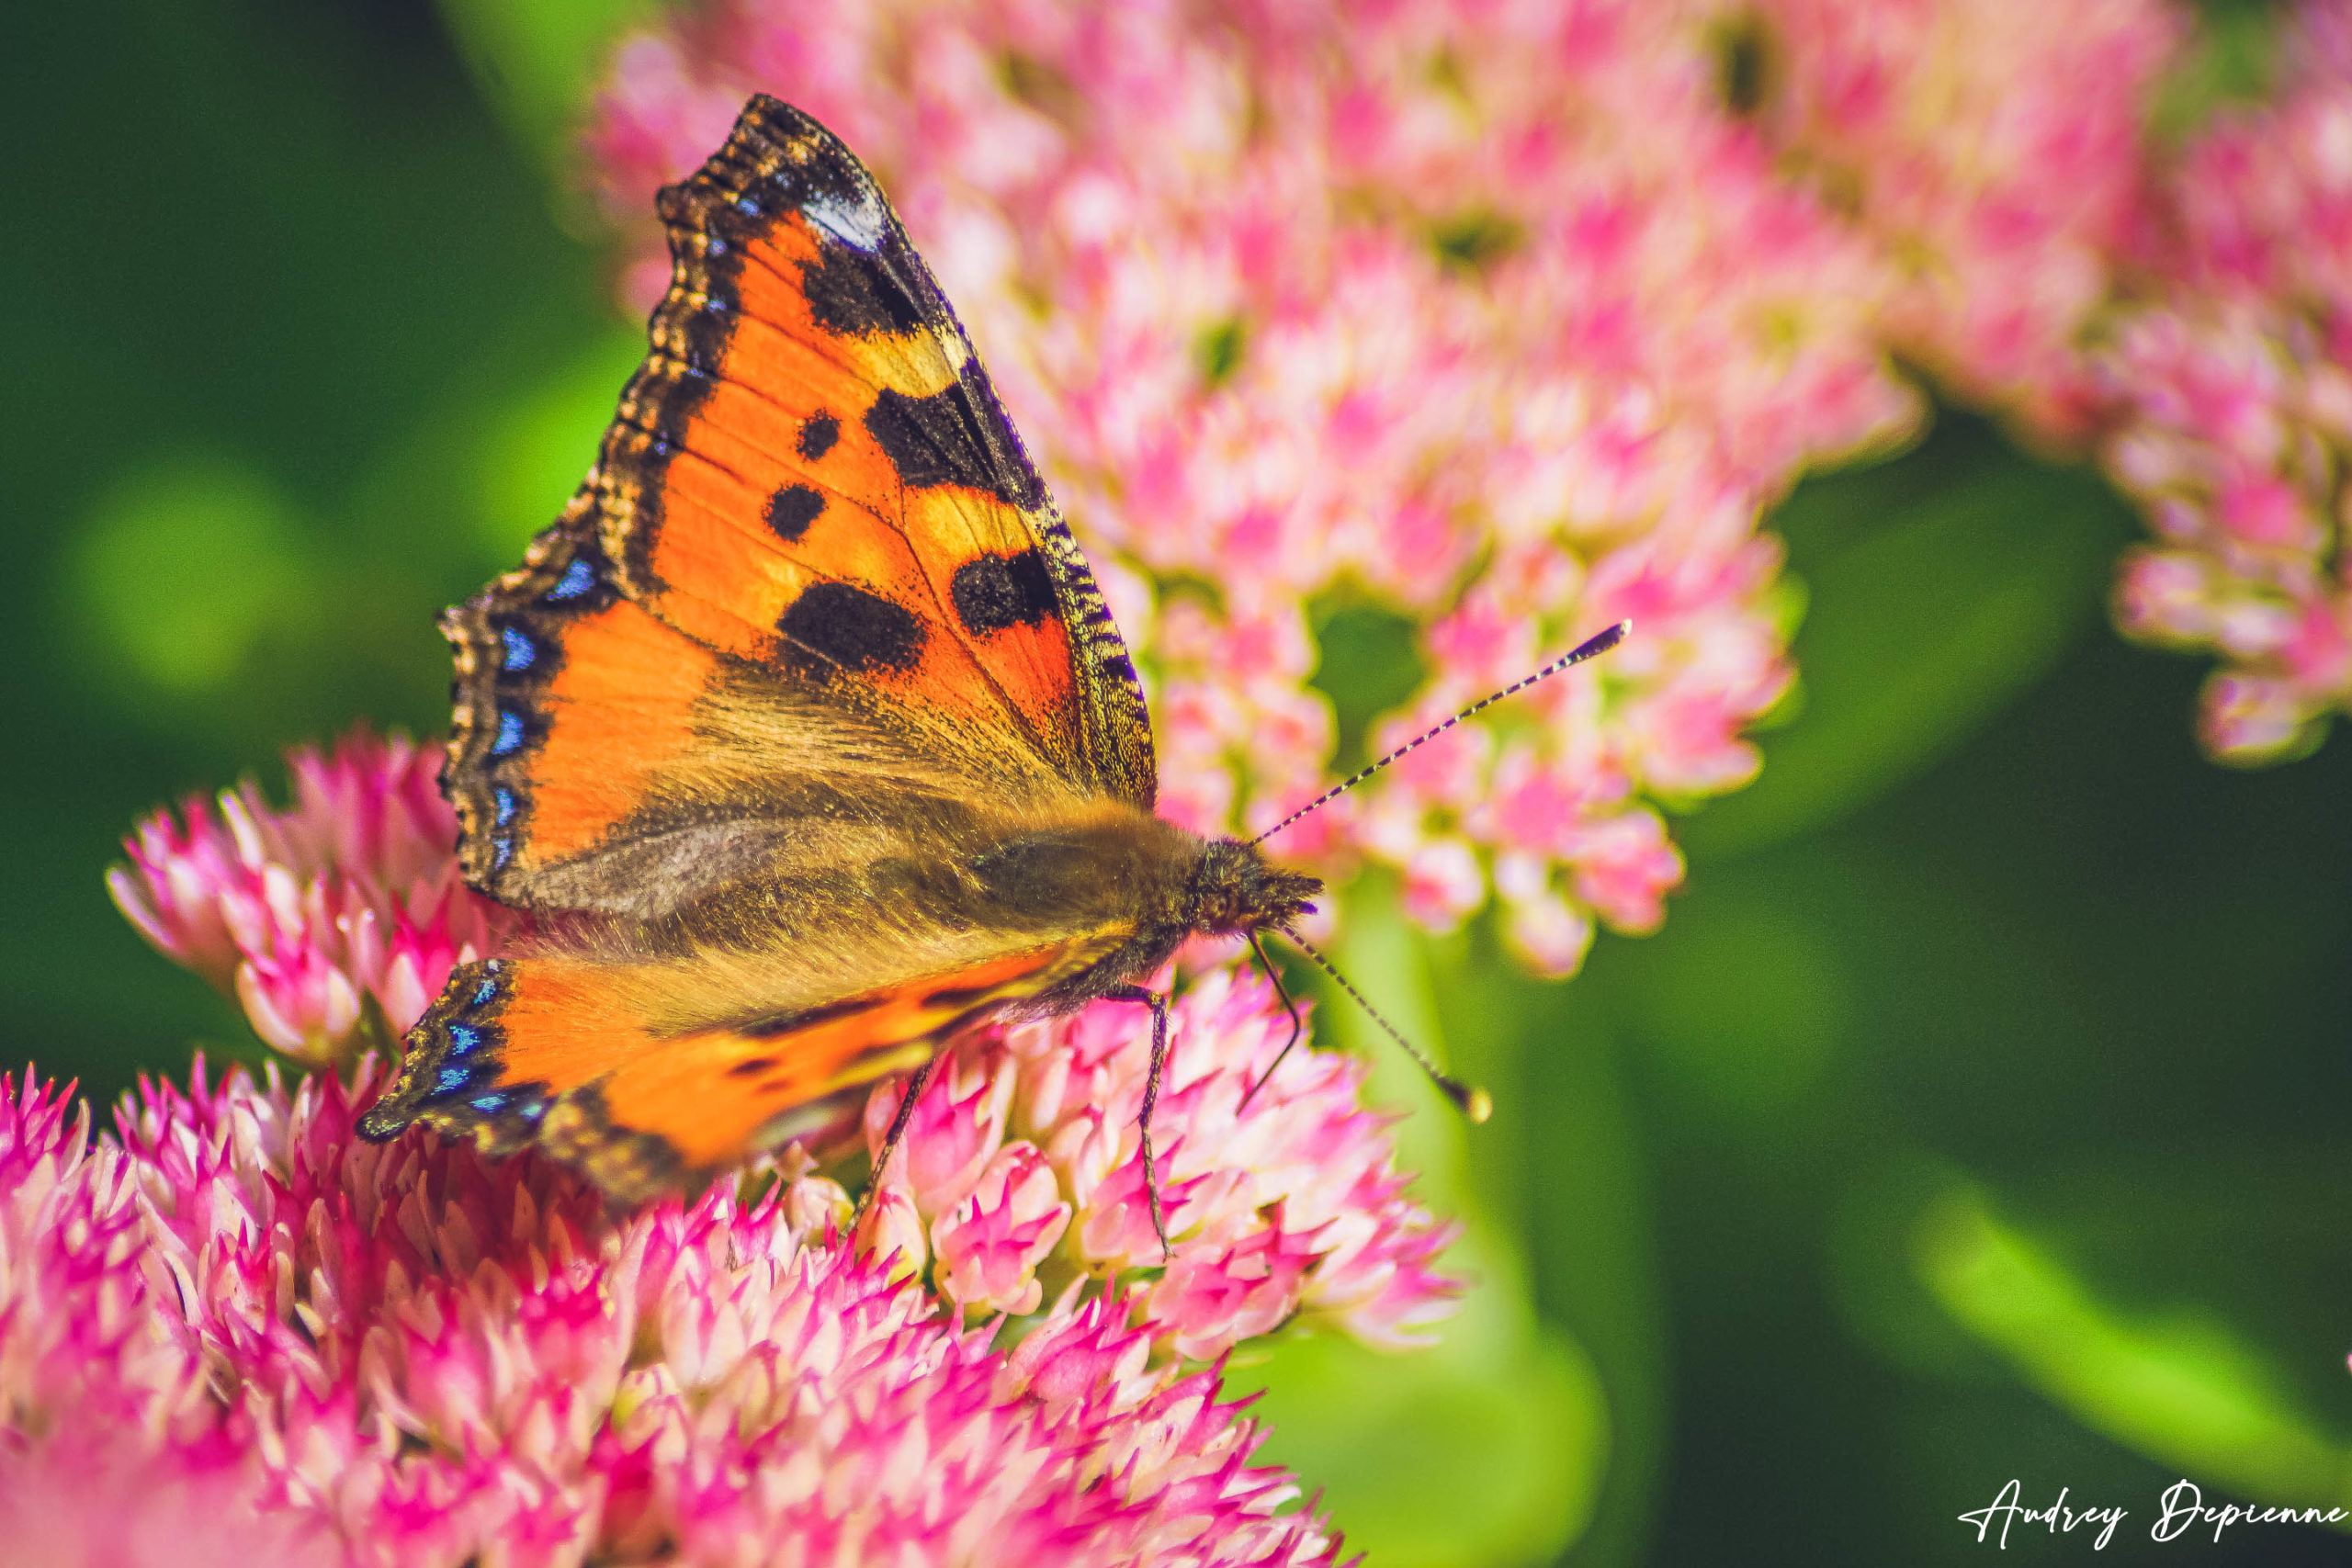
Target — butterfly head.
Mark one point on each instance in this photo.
(1235, 889)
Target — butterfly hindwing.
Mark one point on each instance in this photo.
(558, 1053)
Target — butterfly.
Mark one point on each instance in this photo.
(804, 730)
(805, 727)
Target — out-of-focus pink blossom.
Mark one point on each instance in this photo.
(346, 901)
(2230, 379)
(1995, 148)
(80, 1501)
(1493, 314)
(237, 1333)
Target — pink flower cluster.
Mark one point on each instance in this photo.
(1022, 1167)
(237, 1333)
(2232, 382)
(1512, 318)
(1995, 150)
(1491, 315)
(347, 902)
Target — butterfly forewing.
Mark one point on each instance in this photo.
(812, 470)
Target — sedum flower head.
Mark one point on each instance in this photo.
(1023, 1171)
(406, 1355)
(1490, 317)
(1994, 149)
(2232, 379)
(333, 922)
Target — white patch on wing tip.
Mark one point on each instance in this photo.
(859, 224)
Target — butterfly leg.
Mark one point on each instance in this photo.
(1297, 1024)
(916, 1082)
(1159, 1006)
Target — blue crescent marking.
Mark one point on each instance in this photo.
(509, 734)
(577, 579)
(521, 651)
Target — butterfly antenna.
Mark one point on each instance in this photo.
(1475, 1103)
(1591, 647)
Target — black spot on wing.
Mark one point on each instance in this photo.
(955, 438)
(798, 1019)
(792, 509)
(993, 592)
(818, 433)
(852, 293)
(845, 625)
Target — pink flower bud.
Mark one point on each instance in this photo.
(989, 1246)
(955, 1129)
(891, 1230)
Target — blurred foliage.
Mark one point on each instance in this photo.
(536, 60)
(2188, 1389)
(1951, 581)
(1977, 1113)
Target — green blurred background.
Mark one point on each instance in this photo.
(1978, 1114)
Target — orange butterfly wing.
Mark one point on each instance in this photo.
(533, 1052)
(812, 613)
